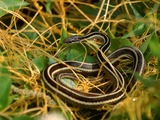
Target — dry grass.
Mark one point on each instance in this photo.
(33, 31)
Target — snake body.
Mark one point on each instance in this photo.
(108, 63)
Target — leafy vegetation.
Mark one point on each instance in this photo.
(31, 37)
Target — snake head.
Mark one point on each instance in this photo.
(72, 39)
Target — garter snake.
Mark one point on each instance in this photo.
(108, 63)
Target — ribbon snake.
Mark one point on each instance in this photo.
(118, 70)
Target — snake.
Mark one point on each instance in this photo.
(54, 73)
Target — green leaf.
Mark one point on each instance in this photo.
(23, 118)
(29, 35)
(11, 5)
(1, 118)
(155, 8)
(149, 82)
(63, 37)
(68, 115)
(118, 42)
(90, 59)
(136, 13)
(51, 61)
(145, 45)
(49, 5)
(77, 52)
(119, 116)
(41, 62)
(62, 55)
(138, 29)
(69, 82)
(5, 87)
(126, 42)
(154, 45)
(115, 44)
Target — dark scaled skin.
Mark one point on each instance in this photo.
(72, 39)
